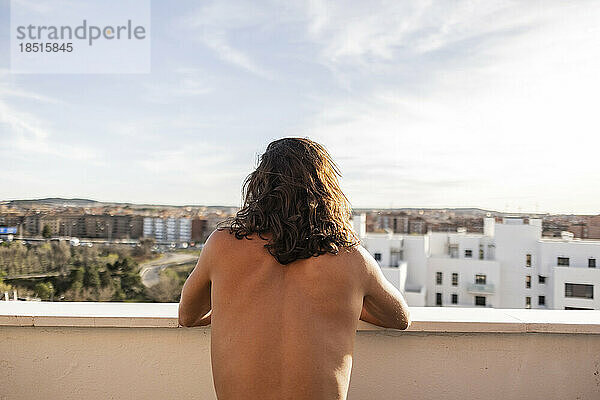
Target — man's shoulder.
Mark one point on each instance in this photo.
(219, 239)
(224, 241)
(356, 253)
(219, 235)
(355, 256)
(360, 258)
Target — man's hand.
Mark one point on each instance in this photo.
(204, 321)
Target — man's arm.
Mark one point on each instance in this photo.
(383, 304)
(367, 317)
(195, 303)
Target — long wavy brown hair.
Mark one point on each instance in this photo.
(294, 198)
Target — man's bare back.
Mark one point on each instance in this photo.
(285, 331)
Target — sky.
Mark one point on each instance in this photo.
(490, 104)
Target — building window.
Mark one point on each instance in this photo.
(454, 279)
(591, 263)
(480, 301)
(541, 300)
(579, 290)
(468, 253)
(541, 279)
(564, 261)
(528, 282)
(377, 256)
(480, 279)
(528, 260)
(527, 302)
(481, 254)
(454, 298)
(438, 299)
(395, 257)
(491, 251)
(453, 250)
(438, 278)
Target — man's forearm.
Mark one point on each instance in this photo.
(202, 321)
(367, 317)
(195, 304)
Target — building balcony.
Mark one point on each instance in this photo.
(481, 288)
(137, 351)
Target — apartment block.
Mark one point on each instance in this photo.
(168, 229)
(199, 229)
(509, 265)
(593, 227)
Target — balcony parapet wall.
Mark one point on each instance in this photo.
(137, 351)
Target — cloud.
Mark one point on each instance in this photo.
(380, 31)
(217, 41)
(28, 134)
(23, 94)
(458, 101)
(34, 6)
(180, 84)
(214, 23)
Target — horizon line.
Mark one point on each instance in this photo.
(235, 206)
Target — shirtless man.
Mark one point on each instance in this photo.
(284, 283)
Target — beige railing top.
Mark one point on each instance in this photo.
(425, 319)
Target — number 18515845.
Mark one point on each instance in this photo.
(46, 47)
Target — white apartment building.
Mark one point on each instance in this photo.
(168, 229)
(510, 265)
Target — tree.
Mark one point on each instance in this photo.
(105, 278)
(4, 287)
(118, 294)
(76, 278)
(132, 286)
(44, 290)
(88, 255)
(128, 265)
(121, 251)
(61, 255)
(144, 248)
(91, 277)
(47, 232)
(167, 290)
(114, 267)
(128, 283)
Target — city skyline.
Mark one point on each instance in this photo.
(76, 203)
(458, 105)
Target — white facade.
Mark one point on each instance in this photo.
(185, 229)
(459, 279)
(510, 265)
(580, 255)
(168, 229)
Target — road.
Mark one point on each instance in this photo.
(150, 271)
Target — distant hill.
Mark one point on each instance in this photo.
(471, 211)
(55, 201)
(61, 202)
